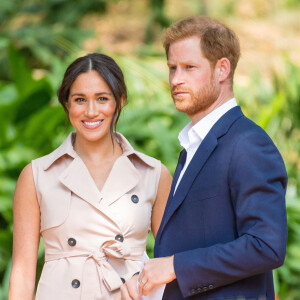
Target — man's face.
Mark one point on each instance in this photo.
(192, 80)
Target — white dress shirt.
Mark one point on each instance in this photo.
(190, 137)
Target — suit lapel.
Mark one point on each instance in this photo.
(208, 145)
(202, 154)
(179, 167)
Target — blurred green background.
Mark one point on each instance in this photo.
(38, 39)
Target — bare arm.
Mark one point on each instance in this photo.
(25, 237)
(128, 290)
(161, 270)
(163, 191)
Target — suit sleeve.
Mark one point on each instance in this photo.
(257, 182)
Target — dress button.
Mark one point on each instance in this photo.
(199, 290)
(205, 288)
(123, 280)
(211, 286)
(75, 283)
(119, 237)
(193, 291)
(134, 198)
(71, 242)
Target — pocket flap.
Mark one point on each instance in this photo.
(55, 207)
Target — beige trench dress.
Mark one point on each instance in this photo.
(93, 239)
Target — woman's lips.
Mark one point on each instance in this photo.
(92, 124)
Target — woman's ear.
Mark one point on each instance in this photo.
(123, 100)
(223, 69)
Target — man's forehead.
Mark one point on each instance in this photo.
(185, 55)
(184, 45)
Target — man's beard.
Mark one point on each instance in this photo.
(199, 102)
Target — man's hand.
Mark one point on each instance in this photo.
(129, 290)
(156, 271)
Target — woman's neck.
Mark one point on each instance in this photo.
(97, 151)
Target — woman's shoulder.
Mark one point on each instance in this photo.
(66, 148)
(147, 159)
(134, 155)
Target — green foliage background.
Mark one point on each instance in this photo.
(33, 58)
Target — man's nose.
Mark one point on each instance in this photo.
(177, 77)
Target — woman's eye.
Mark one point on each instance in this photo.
(79, 99)
(190, 67)
(102, 99)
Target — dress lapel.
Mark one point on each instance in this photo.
(77, 179)
(122, 178)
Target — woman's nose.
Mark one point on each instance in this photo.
(91, 109)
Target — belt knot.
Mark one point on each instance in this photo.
(109, 249)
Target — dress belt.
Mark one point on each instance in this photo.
(111, 248)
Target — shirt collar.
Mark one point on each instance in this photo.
(66, 148)
(194, 134)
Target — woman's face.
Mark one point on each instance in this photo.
(91, 107)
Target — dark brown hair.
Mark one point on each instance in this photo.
(216, 39)
(107, 68)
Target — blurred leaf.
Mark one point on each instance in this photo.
(5, 282)
(53, 120)
(39, 96)
(20, 72)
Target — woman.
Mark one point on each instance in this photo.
(93, 199)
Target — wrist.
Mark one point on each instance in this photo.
(172, 270)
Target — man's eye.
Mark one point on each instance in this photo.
(190, 67)
(172, 68)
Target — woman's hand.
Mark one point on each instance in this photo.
(129, 289)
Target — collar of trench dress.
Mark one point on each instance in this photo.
(124, 176)
(66, 148)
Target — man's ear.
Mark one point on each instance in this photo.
(222, 69)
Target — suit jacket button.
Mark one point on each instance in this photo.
(134, 198)
(119, 238)
(71, 242)
(75, 283)
(211, 286)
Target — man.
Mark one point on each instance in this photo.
(224, 227)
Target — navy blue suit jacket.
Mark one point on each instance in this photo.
(226, 224)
